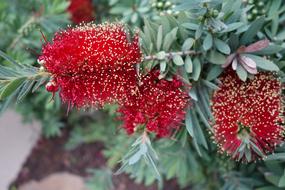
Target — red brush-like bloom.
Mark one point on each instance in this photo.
(92, 64)
(159, 105)
(81, 11)
(248, 121)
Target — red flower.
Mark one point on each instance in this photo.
(92, 64)
(81, 11)
(248, 115)
(156, 104)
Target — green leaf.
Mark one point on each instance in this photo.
(210, 84)
(161, 55)
(233, 26)
(282, 181)
(272, 178)
(241, 72)
(170, 38)
(202, 116)
(159, 38)
(215, 71)
(268, 188)
(222, 46)
(188, 64)
(118, 10)
(193, 93)
(11, 87)
(276, 156)
(199, 32)
(216, 58)
(199, 135)
(189, 124)
(249, 35)
(39, 83)
(197, 67)
(162, 65)
(188, 43)
(177, 59)
(208, 42)
(263, 63)
(271, 49)
(274, 8)
(9, 59)
(25, 89)
(191, 26)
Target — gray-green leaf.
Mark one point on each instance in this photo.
(177, 59)
(222, 46)
(208, 42)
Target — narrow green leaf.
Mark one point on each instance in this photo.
(189, 124)
(199, 32)
(170, 38)
(256, 25)
(159, 38)
(276, 156)
(40, 82)
(188, 64)
(274, 7)
(282, 180)
(161, 55)
(188, 43)
(197, 67)
(26, 88)
(9, 59)
(191, 26)
(208, 42)
(193, 93)
(199, 133)
(202, 116)
(11, 87)
(177, 59)
(263, 63)
(271, 49)
(216, 58)
(210, 84)
(162, 65)
(272, 178)
(222, 46)
(233, 26)
(214, 72)
(241, 72)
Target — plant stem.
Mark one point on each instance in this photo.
(170, 55)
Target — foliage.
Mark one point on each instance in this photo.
(194, 40)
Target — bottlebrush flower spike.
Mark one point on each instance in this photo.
(249, 120)
(157, 105)
(92, 64)
(247, 63)
(81, 11)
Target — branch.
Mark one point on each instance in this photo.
(170, 55)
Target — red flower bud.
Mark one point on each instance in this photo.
(52, 86)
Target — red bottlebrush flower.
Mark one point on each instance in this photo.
(156, 104)
(81, 11)
(92, 64)
(248, 121)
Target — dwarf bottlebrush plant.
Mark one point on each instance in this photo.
(249, 120)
